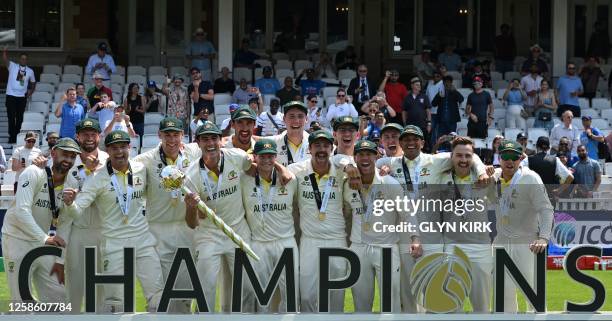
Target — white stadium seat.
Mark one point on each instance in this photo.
(150, 141)
(263, 62)
(178, 70)
(283, 73)
(153, 118)
(73, 69)
(41, 96)
(509, 75)
(52, 69)
(241, 72)
(329, 92)
(71, 78)
(600, 123)
(607, 114)
(157, 70)
(39, 107)
(45, 87)
(222, 99)
(583, 102)
(53, 128)
(221, 109)
(33, 116)
(136, 70)
(601, 103)
(589, 112)
(151, 129)
(53, 119)
(302, 64)
(50, 79)
(159, 80)
(496, 75)
(510, 133)
(119, 70)
(139, 79)
(283, 64)
(577, 122)
(346, 73)
(534, 133)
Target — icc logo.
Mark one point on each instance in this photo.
(442, 281)
(564, 231)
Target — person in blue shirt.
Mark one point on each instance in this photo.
(591, 137)
(449, 59)
(201, 51)
(71, 113)
(245, 57)
(267, 85)
(310, 85)
(515, 96)
(569, 87)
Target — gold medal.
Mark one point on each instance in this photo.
(55, 221)
(366, 227)
(321, 216)
(125, 219)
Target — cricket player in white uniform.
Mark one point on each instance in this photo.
(415, 172)
(389, 139)
(118, 192)
(85, 230)
(34, 220)
(243, 122)
(322, 194)
(458, 184)
(269, 212)
(367, 240)
(292, 144)
(346, 134)
(524, 216)
(165, 211)
(215, 178)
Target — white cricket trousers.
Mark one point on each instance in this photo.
(518, 249)
(147, 267)
(80, 238)
(370, 257)
(211, 255)
(514, 118)
(270, 252)
(409, 300)
(309, 273)
(170, 236)
(47, 286)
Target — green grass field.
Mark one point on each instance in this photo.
(559, 288)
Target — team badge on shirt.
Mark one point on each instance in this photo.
(232, 175)
(185, 163)
(25, 184)
(282, 191)
(11, 266)
(137, 181)
(425, 172)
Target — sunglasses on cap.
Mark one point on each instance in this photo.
(510, 156)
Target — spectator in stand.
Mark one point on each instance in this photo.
(608, 140)
(200, 52)
(243, 93)
(514, 97)
(342, 107)
(395, 93)
(435, 86)
(153, 97)
(51, 139)
(71, 112)
(522, 139)
(535, 59)
(382, 106)
(599, 43)
(104, 109)
(325, 68)
(564, 157)
(288, 92)
(425, 68)
(226, 125)
(347, 59)
(591, 137)
(375, 122)
(416, 109)
(81, 97)
(244, 57)
(120, 121)
(200, 119)
(201, 92)
(270, 123)
(479, 108)
(450, 59)
(491, 156)
(20, 86)
(101, 62)
(531, 84)
(267, 85)
(24, 155)
(314, 112)
(135, 105)
(447, 101)
(565, 129)
(569, 87)
(177, 101)
(478, 72)
(310, 85)
(94, 93)
(590, 74)
(546, 106)
(587, 174)
(224, 84)
(256, 103)
(505, 50)
(361, 88)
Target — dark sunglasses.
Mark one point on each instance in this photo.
(314, 101)
(510, 156)
(362, 71)
(340, 96)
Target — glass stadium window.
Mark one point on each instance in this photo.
(296, 26)
(175, 26)
(7, 23)
(337, 24)
(449, 26)
(255, 23)
(144, 22)
(404, 25)
(42, 23)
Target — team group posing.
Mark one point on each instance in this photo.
(293, 190)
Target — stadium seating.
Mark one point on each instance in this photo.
(45, 87)
(73, 69)
(601, 103)
(136, 70)
(283, 73)
(283, 64)
(39, 107)
(346, 74)
(241, 72)
(263, 62)
(52, 69)
(222, 99)
(71, 78)
(153, 118)
(53, 79)
(157, 71)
